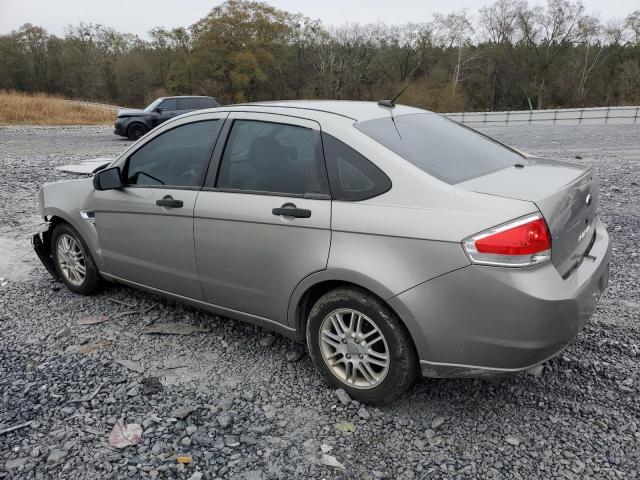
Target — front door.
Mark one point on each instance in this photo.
(262, 224)
(167, 109)
(146, 229)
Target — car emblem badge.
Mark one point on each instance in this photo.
(588, 199)
(583, 233)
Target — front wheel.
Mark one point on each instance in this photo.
(358, 344)
(136, 130)
(73, 261)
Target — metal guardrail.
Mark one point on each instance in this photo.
(566, 116)
(94, 104)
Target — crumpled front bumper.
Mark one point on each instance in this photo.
(41, 243)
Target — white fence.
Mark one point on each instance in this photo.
(566, 116)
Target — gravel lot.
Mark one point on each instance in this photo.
(247, 405)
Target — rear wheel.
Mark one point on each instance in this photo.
(358, 344)
(73, 261)
(136, 130)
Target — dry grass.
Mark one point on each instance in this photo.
(40, 109)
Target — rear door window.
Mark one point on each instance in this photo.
(187, 104)
(351, 176)
(442, 148)
(272, 157)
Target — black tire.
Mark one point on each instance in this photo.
(403, 360)
(136, 130)
(92, 282)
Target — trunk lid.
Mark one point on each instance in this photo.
(565, 193)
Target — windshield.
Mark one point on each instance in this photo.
(441, 147)
(152, 106)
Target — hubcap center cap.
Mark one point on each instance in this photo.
(352, 348)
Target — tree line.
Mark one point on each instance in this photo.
(509, 55)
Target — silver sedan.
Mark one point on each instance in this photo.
(391, 240)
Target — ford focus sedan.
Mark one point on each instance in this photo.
(392, 241)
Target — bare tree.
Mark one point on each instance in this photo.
(454, 31)
(35, 42)
(548, 33)
(498, 21)
(632, 23)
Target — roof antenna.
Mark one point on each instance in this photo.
(392, 103)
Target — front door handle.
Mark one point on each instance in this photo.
(290, 210)
(169, 202)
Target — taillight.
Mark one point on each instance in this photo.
(520, 243)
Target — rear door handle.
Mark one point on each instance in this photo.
(292, 212)
(169, 202)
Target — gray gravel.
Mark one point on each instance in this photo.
(238, 401)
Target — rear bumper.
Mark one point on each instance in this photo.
(482, 320)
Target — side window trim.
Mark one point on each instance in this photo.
(221, 145)
(220, 121)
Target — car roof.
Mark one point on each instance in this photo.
(354, 110)
(187, 96)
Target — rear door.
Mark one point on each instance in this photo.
(262, 222)
(146, 228)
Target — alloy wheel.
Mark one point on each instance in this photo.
(354, 348)
(71, 259)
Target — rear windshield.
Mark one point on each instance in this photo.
(442, 148)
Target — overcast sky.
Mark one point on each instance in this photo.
(139, 16)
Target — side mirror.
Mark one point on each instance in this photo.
(159, 109)
(108, 179)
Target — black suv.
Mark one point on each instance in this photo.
(135, 123)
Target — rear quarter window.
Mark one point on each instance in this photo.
(442, 148)
(352, 177)
(207, 102)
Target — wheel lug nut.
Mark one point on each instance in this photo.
(360, 356)
(348, 356)
(344, 340)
